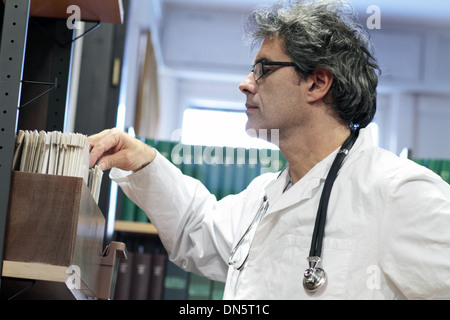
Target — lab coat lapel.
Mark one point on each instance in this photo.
(312, 182)
(302, 190)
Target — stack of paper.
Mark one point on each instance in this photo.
(57, 153)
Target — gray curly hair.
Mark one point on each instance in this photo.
(325, 34)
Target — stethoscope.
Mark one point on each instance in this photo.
(314, 277)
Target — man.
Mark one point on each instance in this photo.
(386, 229)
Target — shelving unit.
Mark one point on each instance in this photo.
(20, 51)
(135, 227)
(12, 57)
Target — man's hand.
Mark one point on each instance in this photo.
(114, 148)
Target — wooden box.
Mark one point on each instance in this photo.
(54, 228)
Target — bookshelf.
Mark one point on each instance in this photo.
(145, 228)
(162, 279)
(36, 44)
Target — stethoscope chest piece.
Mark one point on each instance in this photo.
(314, 277)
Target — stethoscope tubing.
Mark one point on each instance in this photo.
(319, 226)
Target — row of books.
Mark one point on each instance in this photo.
(223, 170)
(439, 166)
(152, 276)
(56, 153)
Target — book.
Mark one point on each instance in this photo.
(254, 166)
(445, 170)
(434, 165)
(124, 276)
(128, 212)
(157, 276)
(141, 216)
(199, 288)
(175, 282)
(164, 148)
(217, 290)
(140, 278)
(214, 179)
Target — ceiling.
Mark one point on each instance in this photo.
(434, 11)
(189, 29)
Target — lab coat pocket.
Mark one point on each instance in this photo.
(336, 259)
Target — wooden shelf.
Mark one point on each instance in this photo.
(108, 11)
(135, 227)
(36, 271)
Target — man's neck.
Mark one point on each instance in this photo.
(303, 150)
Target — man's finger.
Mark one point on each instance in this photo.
(93, 139)
(119, 159)
(102, 145)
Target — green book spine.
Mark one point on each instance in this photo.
(214, 179)
(217, 290)
(434, 165)
(150, 142)
(199, 288)
(141, 216)
(187, 161)
(445, 170)
(128, 209)
(198, 167)
(420, 161)
(175, 282)
(254, 166)
(165, 148)
(226, 185)
(240, 179)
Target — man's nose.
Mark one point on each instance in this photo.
(248, 85)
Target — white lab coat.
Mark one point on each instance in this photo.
(387, 234)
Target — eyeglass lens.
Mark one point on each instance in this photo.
(258, 71)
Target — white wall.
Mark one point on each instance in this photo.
(203, 57)
(414, 91)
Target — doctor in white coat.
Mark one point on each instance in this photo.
(387, 227)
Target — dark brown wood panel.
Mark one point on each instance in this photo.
(54, 220)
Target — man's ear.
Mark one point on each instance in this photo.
(319, 82)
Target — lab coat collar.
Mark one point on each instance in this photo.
(306, 187)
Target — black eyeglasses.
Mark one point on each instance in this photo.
(259, 71)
